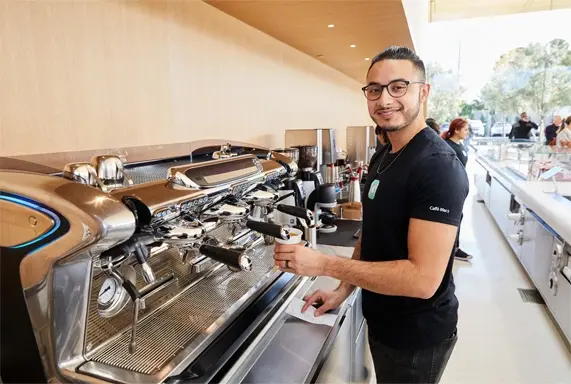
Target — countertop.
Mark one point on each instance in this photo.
(540, 197)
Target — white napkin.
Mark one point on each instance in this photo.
(294, 309)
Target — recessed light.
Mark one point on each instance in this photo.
(366, 58)
(352, 45)
(331, 26)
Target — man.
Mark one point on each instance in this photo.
(412, 204)
(551, 130)
(382, 138)
(522, 128)
(433, 124)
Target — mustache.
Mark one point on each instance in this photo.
(381, 109)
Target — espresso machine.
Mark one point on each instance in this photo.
(147, 272)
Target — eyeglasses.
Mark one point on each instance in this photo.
(396, 88)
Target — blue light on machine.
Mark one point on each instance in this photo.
(35, 207)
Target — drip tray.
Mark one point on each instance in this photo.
(191, 319)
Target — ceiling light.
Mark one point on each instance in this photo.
(367, 59)
(352, 45)
(331, 25)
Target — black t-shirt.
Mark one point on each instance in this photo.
(460, 151)
(428, 182)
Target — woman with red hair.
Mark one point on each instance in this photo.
(457, 132)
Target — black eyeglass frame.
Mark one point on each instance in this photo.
(364, 89)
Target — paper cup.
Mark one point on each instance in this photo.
(294, 237)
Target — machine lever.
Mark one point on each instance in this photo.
(269, 229)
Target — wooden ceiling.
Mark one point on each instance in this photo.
(370, 25)
(441, 10)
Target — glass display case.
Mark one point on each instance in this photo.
(525, 159)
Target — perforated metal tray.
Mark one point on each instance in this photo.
(190, 317)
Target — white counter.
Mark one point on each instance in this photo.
(536, 223)
(553, 208)
(538, 196)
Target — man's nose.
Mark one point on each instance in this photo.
(385, 99)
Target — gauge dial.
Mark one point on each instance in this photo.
(112, 297)
(108, 291)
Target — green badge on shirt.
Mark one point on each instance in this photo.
(373, 189)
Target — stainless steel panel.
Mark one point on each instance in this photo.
(359, 139)
(541, 265)
(291, 350)
(347, 361)
(500, 199)
(324, 138)
(527, 250)
(562, 305)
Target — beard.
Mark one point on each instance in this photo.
(408, 115)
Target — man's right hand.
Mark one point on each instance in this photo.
(330, 299)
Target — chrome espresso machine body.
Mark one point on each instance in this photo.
(151, 272)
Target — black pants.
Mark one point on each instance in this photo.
(457, 242)
(424, 365)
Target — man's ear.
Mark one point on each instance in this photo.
(424, 92)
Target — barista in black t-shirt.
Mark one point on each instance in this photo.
(412, 204)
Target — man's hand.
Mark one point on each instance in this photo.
(299, 260)
(330, 299)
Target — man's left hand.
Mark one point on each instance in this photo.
(300, 260)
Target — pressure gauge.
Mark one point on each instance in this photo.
(112, 297)
(108, 291)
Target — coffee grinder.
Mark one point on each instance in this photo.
(310, 176)
(292, 188)
(322, 201)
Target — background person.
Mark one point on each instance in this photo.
(522, 128)
(458, 132)
(552, 129)
(433, 124)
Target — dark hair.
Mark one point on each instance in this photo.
(384, 134)
(568, 121)
(433, 124)
(400, 53)
(455, 125)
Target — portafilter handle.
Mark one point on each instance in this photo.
(269, 229)
(231, 257)
(301, 213)
(307, 219)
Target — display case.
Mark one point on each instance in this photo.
(524, 159)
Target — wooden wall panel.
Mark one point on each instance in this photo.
(77, 75)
